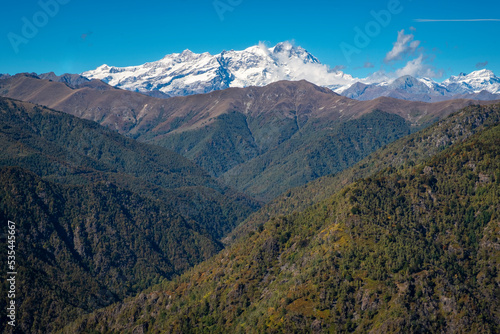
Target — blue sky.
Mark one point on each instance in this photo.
(75, 35)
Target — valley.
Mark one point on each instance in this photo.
(253, 191)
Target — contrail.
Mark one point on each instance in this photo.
(458, 20)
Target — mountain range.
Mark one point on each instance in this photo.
(411, 247)
(479, 85)
(259, 140)
(187, 73)
(281, 208)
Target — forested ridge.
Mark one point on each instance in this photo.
(68, 150)
(99, 216)
(405, 152)
(409, 249)
(406, 240)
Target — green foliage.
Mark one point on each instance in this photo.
(68, 150)
(314, 152)
(264, 156)
(218, 147)
(104, 217)
(406, 152)
(420, 253)
(84, 247)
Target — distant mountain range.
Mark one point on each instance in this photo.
(479, 85)
(188, 73)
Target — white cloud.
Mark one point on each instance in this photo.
(404, 46)
(379, 76)
(418, 68)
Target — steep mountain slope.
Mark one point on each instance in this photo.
(411, 250)
(408, 151)
(225, 130)
(79, 248)
(312, 153)
(68, 150)
(99, 216)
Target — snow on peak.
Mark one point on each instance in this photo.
(483, 73)
(191, 73)
(188, 73)
(475, 82)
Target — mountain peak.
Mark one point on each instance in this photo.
(283, 46)
(407, 82)
(186, 52)
(474, 82)
(483, 73)
(406, 78)
(189, 73)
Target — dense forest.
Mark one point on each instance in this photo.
(80, 248)
(100, 217)
(315, 151)
(406, 152)
(410, 249)
(115, 235)
(68, 150)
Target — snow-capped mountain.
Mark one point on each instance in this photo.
(190, 73)
(483, 80)
(479, 85)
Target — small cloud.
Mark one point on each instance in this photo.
(405, 45)
(418, 68)
(368, 65)
(413, 29)
(379, 76)
(338, 68)
(481, 64)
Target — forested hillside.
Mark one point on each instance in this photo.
(258, 140)
(412, 249)
(99, 217)
(69, 150)
(406, 152)
(80, 248)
